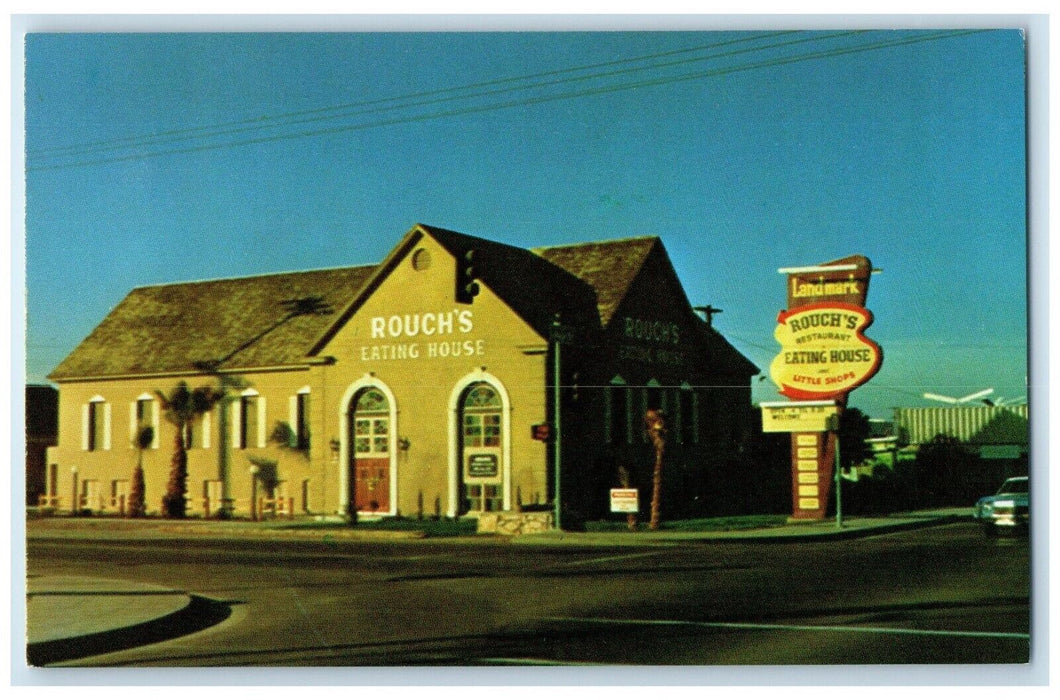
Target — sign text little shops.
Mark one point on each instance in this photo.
(415, 336)
(824, 353)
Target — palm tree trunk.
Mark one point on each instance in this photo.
(174, 503)
(656, 485)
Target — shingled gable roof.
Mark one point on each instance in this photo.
(171, 328)
(609, 267)
(534, 289)
(174, 328)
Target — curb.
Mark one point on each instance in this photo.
(772, 536)
(199, 614)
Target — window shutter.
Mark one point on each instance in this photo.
(262, 437)
(237, 432)
(206, 430)
(132, 425)
(292, 436)
(106, 426)
(154, 424)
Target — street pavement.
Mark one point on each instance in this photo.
(71, 617)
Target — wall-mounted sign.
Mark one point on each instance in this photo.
(624, 501)
(797, 416)
(482, 465)
(824, 353)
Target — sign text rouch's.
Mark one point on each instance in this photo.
(824, 353)
(427, 335)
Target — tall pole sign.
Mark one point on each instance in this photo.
(824, 356)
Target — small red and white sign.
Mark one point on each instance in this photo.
(624, 501)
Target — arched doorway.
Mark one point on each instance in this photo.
(481, 474)
(369, 446)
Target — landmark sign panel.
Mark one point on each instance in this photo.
(824, 356)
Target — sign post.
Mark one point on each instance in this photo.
(824, 356)
(833, 427)
(559, 334)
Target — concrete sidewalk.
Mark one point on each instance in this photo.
(793, 531)
(74, 617)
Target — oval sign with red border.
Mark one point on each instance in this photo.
(824, 352)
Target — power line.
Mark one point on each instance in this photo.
(409, 101)
(464, 111)
(262, 122)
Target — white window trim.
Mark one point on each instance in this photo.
(85, 409)
(153, 420)
(262, 437)
(455, 461)
(237, 420)
(367, 381)
(292, 414)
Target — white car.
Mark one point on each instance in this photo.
(1009, 508)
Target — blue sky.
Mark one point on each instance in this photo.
(156, 158)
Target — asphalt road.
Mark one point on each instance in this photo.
(940, 595)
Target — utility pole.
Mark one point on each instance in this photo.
(708, 312)
(833, 426)
(556, 446)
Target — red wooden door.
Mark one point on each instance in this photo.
(370, 468)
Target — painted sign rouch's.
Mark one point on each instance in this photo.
(824, 352)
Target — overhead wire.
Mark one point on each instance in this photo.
(526, 101)
(267, 121)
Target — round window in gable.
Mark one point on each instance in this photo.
(421, 259)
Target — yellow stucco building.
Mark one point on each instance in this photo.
(424, 385)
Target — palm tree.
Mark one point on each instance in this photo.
(655, 421)
(181, 407)
(137, 507)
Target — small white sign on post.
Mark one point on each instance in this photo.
(624, 501)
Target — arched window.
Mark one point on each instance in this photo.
(371, 424)
(482, 416)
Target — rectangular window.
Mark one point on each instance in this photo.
(197, 432)
(617, 425)
(687, 427)
(143, 411)
(97, 426)
(212, 491)
(249, 406)
(95, 421)
(119, 495)
(484, 498)
(301, 426)
(91, 496)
